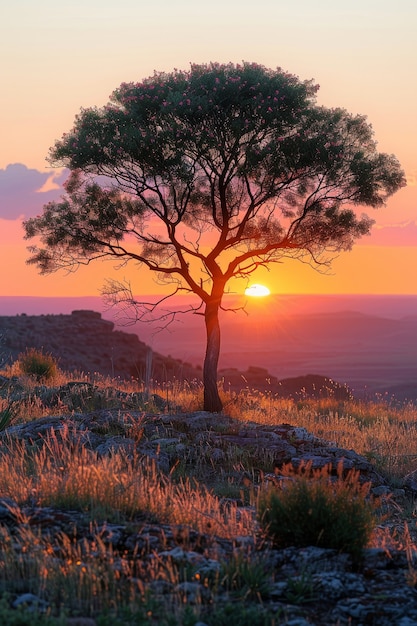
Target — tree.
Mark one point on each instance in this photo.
(204, 175)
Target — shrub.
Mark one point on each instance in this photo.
(314, 509)
(246, 577)
(35, 363)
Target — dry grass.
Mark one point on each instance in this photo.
(76, 577)
(63, 473)
(84, 577)
(384, 432)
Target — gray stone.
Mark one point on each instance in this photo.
(161, 587)
(334, 586)
(114, 445)
(217, 455)
(207, 570)
(180, 556)
(193, 593)
(380, 490)
(30, 603)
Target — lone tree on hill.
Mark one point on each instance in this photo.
(202, 176)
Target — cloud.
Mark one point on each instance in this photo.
(401, 234)
(24, 191)
(412, 178)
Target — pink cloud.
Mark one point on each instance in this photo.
(24, 191)
(401, 234)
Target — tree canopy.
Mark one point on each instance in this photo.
(204, 175)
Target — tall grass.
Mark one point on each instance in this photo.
(384, 432)
(63, 473)
(88, 577)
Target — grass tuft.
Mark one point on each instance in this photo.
(38, 365)
(313, 509)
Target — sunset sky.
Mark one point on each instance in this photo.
(57, 58)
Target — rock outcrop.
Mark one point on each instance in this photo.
(85, 342)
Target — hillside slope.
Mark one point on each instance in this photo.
(85, 342)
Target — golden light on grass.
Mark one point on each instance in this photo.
(126, 488)
(257, 291)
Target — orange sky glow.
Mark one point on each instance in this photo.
(61, 58)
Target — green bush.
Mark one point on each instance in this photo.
(314, 509)
(245, 577)
(35, 363)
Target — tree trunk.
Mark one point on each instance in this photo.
(212, 400)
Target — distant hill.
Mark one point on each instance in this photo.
(372, 354)
(84, 342)
(368, 343)
(390, 306)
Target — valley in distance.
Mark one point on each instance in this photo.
(368, 343)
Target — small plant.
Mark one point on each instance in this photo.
(245, 577)
(6, 416)
(312, 509)
(300, 589)
(38, 365)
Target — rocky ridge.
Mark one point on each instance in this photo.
(307, 585)
(85, 342)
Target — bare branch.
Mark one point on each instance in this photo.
(129, 310)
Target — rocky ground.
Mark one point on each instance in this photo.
(307, 585)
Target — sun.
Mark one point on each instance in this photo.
(257, 291)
